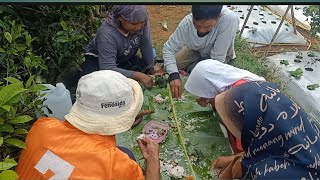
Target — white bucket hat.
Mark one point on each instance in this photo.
(106, 103)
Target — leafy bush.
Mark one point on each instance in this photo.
(59, 32)
(314, 12)
(37, 43)
(19, 106)
(68, 40)
(17, 57)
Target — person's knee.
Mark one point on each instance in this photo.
(187, 57)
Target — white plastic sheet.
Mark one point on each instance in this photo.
(307, 99)
(301, 20)
(262, 25)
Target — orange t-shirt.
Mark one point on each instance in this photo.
(55, 149)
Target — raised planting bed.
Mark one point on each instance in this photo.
(299, 72)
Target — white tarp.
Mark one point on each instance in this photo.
(301, 20)
(307, 99)
(262, 25)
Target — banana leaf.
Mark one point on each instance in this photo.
(194, 139)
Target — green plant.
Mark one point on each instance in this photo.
(68, 42)
(160, 81)
(314, 12)
(313, 86)
(249, 61)
(17, 57)
(284, 62)
(296, 73)
(59, 46)
(19, 105)
(311, 54)
(299, 55)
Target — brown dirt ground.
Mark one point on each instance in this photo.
(173, 14)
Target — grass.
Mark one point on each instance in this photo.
(247, 60)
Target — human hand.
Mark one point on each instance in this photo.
(176, 88)
(149, 149)
(203, 101)
(151, 71)
(143, 78)
(146, 81)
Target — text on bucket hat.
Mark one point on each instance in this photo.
(106, 103)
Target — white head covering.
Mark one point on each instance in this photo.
(106, 103)
(211, 77)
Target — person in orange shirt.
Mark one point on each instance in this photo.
(84, 146)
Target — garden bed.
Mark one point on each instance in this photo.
(301, 84)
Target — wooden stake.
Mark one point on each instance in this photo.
(293, 21)
(277, 31)
(246, 20)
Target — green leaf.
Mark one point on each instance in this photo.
(10, 91)
(5, 107)
(7, 164)
(7, 137)
(28, 83)
(27, 62)
(21, 131)
(296, 73)
(21, 47)
(13, 111)
(8, 36)
(8, 175)
(38, 79)
(15, 99)
(20, 119)
(313, 86)
(13, 80)
(28, 39)
(2, 50)
(64, 25)
(15, 142)
(1, 141)
(38, 102)
(12, 51)
(284, 62)
(1, 120)
(6, 128)
(37, 87)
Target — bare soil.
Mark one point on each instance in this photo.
(173, 14)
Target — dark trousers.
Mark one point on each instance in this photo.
(91, 64)
(128, 152)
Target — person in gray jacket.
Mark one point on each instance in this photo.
(126, 29)
(207, 33)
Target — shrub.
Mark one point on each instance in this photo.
(20, 105)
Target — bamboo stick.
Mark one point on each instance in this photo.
(246, 20)
(293, 21)
(277, 31)
(179, 132)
